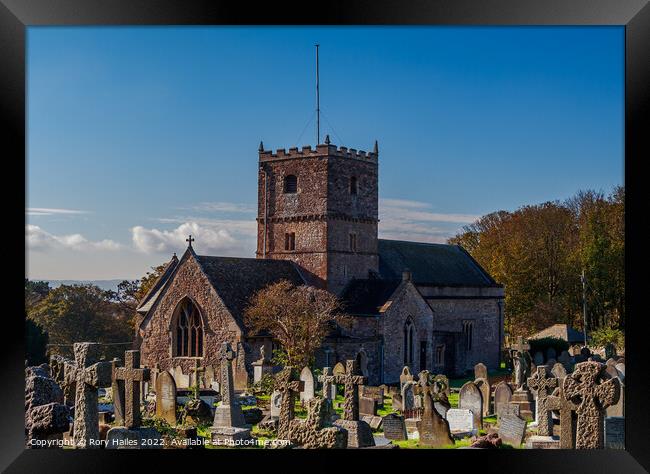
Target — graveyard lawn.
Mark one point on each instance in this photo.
(415, 444)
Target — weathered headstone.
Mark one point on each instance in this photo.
(339, 369)
(441, 408)
(46, 416)
(367, 406)
(131, 374)
(484, 386)
(441, 384)
(329, 387)
(544, 384)
(470, 398)
(288, 388)
(229, 424)
(408, 395)
(373, 421)
(405, 376)
(376, 393)
(68, 384)
(308, 382)
(558, 370)
(615, 432)
(566, 410)
(502, 396)
(397, 402)
(585, 387)
(166, 397)
(394, 427)
(315, 432)
(461, 420)
(89, 375)
(433, 429)
(512, 429)
(480, 371)
(117, 393)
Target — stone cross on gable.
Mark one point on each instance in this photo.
(189, 240)
(544, 384)
(288, 388)
(351, 380)
(226, 354)
(592, 398)
(558, 402)
(132, 375)
(89, 375)
(198, 370)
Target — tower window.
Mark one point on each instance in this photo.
(353, 242)
(290, 241)
(291, 184)
(440, 354)
(353, 185)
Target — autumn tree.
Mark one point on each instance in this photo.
(298, 317)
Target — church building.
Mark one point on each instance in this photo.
(427, 306)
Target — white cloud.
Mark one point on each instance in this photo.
(214, 237)
(412, 220)
(44, 211)
(43, 241)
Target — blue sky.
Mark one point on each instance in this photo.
(138, 136)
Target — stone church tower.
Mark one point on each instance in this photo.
(319, 208)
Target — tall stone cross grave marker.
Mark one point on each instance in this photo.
(89, 375)
(544, 384)
(582, 387)
(132, 375)
(288, 388)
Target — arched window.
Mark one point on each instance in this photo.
(468, 331)
(353, 185)
(290, 184)
(189, 331)
(408, 342)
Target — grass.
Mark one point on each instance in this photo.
(415, 444)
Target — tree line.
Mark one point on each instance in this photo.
(539, 253)
(58, 317)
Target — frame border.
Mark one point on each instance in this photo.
(16, 15)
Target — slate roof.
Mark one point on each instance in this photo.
(367, 296)
(154, 292)
(237, 279)
(431, 264)
(561, 331)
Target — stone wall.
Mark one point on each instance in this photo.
(219, 326)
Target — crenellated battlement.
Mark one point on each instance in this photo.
(320, 150)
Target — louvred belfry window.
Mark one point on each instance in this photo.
(189, 331)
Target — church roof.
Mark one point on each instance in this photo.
(237, 279)
(431, 264)
(154, 292)
(560, 331)
(367, 296)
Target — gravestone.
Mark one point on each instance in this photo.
(441, 384)
(433, 429)
(117, 393)
(376, 393)
(57, 371)
(315, 432)
(544, 384)
(615, 432)
(367, 406)
(502, 396)
(618, 409)
(308, 382)
(166, 398)
(405, 376)
(288, 388)
(408, 395)
(484, 386)
(441, 408)
(373, 421)
(229, 424)
(131, 375)
(262, 366)
(46, 416)
(480, 371)
(394, 427)
(461, 421)
(585, 386)
(566, 410)
(329, 388)
(538, 359)
(558, 370)
(512, 429)
(339, 369)
(89, 375)
(276, 401)
(397, 402)
(470, 398)
(510, 409)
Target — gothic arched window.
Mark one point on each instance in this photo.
(189, 331)
(290, 184)
(408, 342)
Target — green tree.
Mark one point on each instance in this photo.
(36, 341)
